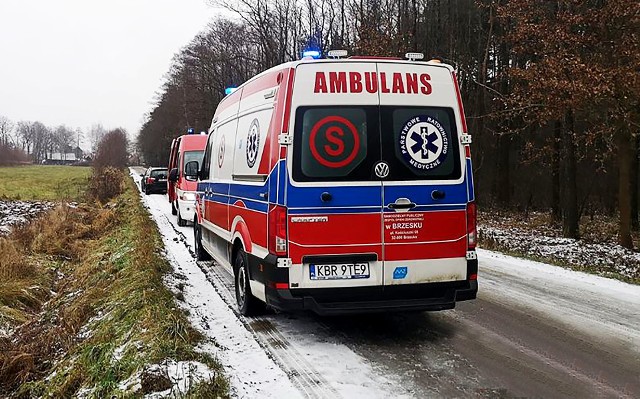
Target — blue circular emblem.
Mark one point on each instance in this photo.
(253, 143)
(423, 143)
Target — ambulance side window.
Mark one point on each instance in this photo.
(206, 161)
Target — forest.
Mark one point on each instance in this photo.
(551, 89)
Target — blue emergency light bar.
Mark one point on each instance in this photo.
(315, 54)
(191, 130)
(229, 90)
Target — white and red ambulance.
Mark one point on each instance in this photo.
(342, 186)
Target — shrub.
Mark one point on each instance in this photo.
(106, 183)
(112, 150)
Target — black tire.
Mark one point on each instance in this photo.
(201, 253)
(174, 211)
(181, 221)
(248, 305)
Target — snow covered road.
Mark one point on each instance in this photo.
(536, 330)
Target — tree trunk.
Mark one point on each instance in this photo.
(556, 207)
(570, 225)
(635, 223)
(502, 182)
(625, 144)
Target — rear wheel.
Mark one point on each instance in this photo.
(248, 305)
(201, 253)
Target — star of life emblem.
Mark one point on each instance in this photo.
(221, 152)
(423, 142)
(253, 143)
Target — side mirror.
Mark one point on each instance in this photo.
(191, 170)
(173, 175)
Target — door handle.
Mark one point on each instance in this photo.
(403, 205)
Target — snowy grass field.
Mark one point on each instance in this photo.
(537, 238)
(43, 182)
(84, 311)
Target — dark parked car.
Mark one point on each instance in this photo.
(154, 180)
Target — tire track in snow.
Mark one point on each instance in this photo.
(277, 346)
(318, 365)
(302, 372)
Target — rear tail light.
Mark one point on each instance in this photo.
(282, 286)
(278, 230)
(471, 224)
(150, 180)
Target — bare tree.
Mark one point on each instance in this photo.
(6, 127)
(63, 140)
(96, 132)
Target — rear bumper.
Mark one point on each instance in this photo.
(414, 297)
(157, 188)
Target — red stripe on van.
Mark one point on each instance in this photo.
(262, 83)
(337, 234)
(409, 227)
(279, 123)
(254, 222)
(296, 252)
(460, 106)
(216, 213)
(228, 101)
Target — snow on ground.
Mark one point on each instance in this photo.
(14, 213)
(536, 237)
(255, 367)
(606, 308)
(251, 372)
(181, 375)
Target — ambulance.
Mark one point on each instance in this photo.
(341, 185)
(181, 189)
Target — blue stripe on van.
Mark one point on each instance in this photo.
(469, 178)
(421, 194)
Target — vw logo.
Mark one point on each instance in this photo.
(382, 169)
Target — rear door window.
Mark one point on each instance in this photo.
(159, 173)
(420, 143)
(335, 143)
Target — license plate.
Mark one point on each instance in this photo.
(339, 271)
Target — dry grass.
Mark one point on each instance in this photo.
(105, 267)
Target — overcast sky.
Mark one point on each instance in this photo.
(80, 62)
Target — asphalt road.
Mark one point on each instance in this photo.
(534, 331)
(499, 345)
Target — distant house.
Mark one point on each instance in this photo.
(58, 158)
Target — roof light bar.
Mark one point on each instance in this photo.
(315, 54)
(337, 53)
(414, 56)
(229, 90)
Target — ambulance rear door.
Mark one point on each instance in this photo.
(334, 201)
(424, 193)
